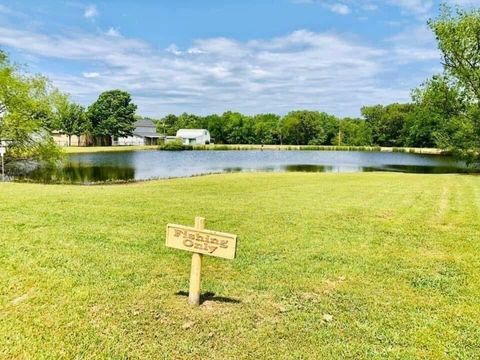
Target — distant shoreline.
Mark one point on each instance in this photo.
(424, 151)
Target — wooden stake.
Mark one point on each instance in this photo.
(195, 273)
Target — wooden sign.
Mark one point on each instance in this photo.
(205, 242)
(200, 242)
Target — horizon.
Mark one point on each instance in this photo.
(253, 57)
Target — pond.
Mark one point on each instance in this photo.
(144, 165)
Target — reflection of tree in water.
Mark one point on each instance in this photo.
(78, 174)
(307, 168)
(86, 174)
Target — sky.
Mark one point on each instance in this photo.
(211, 56)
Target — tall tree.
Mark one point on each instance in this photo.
(267, 130)
(25, 113)
(437, 101)
(387, 123)
(112, 115)
(73, 121)
(354, 132)
(458, 36)
(309, 128)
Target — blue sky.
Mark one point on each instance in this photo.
(211, 56)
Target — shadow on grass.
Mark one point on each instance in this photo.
(210, 296)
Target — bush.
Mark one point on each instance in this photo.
(176, 145)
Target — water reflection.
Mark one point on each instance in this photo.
(78, 174)
(308, 168)
(142, 165)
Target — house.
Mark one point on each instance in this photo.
(62, 139)
(145, 133)
(194, 136)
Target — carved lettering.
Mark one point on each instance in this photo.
(178, 232)
(202, 241)
(187, 243)
(224, 244)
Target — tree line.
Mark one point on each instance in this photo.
(391, 125)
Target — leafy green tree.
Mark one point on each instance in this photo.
(168, 125)
(239, 128)
(309, 127)
(437, 101)
(25, 114)
(354, 132)
(112, 115)
(266, 128)
(75, 122)
(387, 123)
(458, 36)
(216, 125)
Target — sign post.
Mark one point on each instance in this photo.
(196, 270)
(2, 153)
(200, 242)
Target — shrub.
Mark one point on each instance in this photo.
(176, 145)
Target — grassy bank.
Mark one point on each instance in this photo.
(329, 266)
(430, 151)
(94, 149)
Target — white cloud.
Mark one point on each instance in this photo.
(423, 47)
(90, 12)
(113, 32)
(173, 49)
(302, 69)
(418, 7)
(90, 75)
(465, 2)
(338, 8)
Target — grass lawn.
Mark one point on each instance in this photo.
(329, 266)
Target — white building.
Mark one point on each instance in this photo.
(194, 136)
(145, 133)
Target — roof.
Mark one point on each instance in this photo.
(144, 123)
(191, 133)
(147, 134)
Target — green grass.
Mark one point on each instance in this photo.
(393, 258)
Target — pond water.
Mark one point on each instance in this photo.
(143, 165)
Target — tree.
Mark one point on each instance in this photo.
(168, 125)
(437, 101)
(354, 132)
(309, 128)
(74, 122)
(387, 123)
(458, 37)
(25, 114)
(216, 125)
(112, 115)
(266, 127)
(239, 128)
